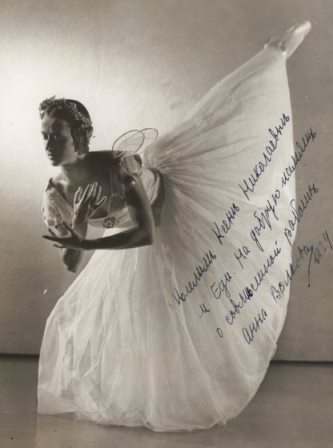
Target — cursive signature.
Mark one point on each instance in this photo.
(313, 254)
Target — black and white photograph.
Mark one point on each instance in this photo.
(167, 226)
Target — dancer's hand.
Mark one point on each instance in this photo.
(87, 203)
(72, 241)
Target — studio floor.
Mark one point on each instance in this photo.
(292, 409)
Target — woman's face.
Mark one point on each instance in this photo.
(59, 143)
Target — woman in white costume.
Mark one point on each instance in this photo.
(174, 329)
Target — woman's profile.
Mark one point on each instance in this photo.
(172, 323)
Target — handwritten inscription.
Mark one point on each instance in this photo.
(298, 211)
(317, 252)
(204, 309)
(221, 286)
(241, 254)
(250, 331)
(313, 253)
(219, 332)
(248, 292)
(226, 290)
(289, 170)
(263, 219)
(248, 185)
(221, 230)
(200, 270)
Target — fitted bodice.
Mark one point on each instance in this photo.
(122, 175)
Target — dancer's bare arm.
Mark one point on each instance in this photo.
(140, 234)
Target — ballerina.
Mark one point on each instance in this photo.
(83, 177)
(176, 333)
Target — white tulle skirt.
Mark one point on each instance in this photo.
(179, 335)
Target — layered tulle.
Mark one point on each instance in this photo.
(179, 335)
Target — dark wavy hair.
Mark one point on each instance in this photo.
(77, 116)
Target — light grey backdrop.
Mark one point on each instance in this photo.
(138, 63)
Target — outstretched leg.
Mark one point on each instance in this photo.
(291, 39)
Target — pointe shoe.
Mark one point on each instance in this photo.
(291, 39)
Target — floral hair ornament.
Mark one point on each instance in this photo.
(77, 116)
